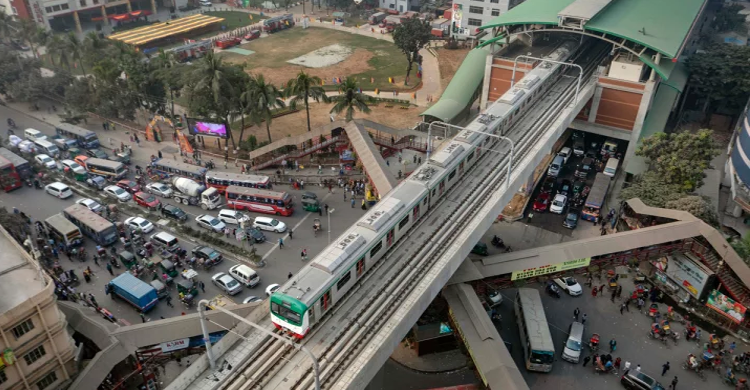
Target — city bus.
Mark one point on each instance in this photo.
(166, 168)
(63, 231)
(84, 137)
(259, 200)
(9, 178)
(92, 224)
(23, 168)
(536, 340)
(592, 209)
(97, 166)
(222, 180)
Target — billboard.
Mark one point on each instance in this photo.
(686, 273)
(208, 128)
(726, 306)
(550, 269)
(458, 14)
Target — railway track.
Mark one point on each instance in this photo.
(364, 311)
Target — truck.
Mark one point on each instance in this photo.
(278, 23)
(134, 291)
(595, 200)
(190, 192)
(228, 43)
(376, 18)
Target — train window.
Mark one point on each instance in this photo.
(361, 266)
(325, 300)
(433, 192)
(425, 201)
(452, 175)
(403, 222)
(344, 280)
(471, 155)
(375, 249)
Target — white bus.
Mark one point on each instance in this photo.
(64, 231)
(538, 349)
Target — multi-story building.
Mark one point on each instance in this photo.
(738, 172)
(469, 15)
(36, 350)
(401, 5)
(75, 15)
(17, 8)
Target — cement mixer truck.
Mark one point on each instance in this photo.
(189, 192)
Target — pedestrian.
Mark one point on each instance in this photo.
(601, 288)
(96, 260)
(612, 345)
(169, 301)
(281, 243)
(622, 307)
(586, 360)
(627, 366)
(303, 255)
(289, 276)
(143, 317)
(576, 312)
(326, 207)
(698, 335)
(344, 195)
(177, 358)
(202, 286)
(673, 386)
(664, 368)
(291, 232)
(330, 188)
(638, 368)
(352, 202)
(619, 291)
(160, 154)
(109, 268)
(732, 347)
(583, 319)
(92, 298)
(640, 304)
(594, 291)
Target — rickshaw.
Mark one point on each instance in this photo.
(316, 226)
(715, 343)
(127, 259)
(657, 333)
(79, 176)
(310, 204)
(480, 249)
(187, 287)
(653, 311)
(594, 342)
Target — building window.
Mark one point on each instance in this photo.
(48, 9)
(34, 355)
(23, 328)
(47, 380)
(83, 3)
(3, 377)
(495, 12)
(15, 11)
(495, 1)
(476, 10)
(64, 6)
(475, 22)
(96, 1)
(344, 279)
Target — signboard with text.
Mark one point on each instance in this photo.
(458, 14)
(550, 269)
(175, 345)
(726, 306)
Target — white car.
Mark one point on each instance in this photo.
(73, 166)
(26, 146)
(272, 289)
(570, 284)
(226, 283)
(14, 140)
(251, 298)
(160, 189)
(118, 193)
(58, 190)
(558, 204)
(46, 161)
(137, 223)
(232, 216)
(90, 204)
(210, 222)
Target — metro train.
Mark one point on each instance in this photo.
(306, 297)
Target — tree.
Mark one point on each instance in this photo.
(652, 190)
(350, 99)
(76, 48)
(728, 18)
(57, 49)
(696, 205)
(302, 88)
(680, 158)
(6, 29)
(742, 247)
(31, 33)
(722, 76)
(265, 98)
(411, 36)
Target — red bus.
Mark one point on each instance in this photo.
(9, 178)
(259, 200)
(222, 180)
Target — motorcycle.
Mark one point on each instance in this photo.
(29, 183)
(497, 242)
(553, 290)
(113, 261)
(594, 342)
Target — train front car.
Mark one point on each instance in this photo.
(289, 314)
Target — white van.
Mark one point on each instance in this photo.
(574, 345)
(556, 166)
(565, 154)
(611, 168)
(245, 275)
(34, 135)
(46, 147)
(270, 224)
(163, 240)
(232, 216)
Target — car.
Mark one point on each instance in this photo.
(579, 149)
(565, 187)
(210, 222)
(73, 166)
(131, 186)
(270, 224)
(571, 220)
(58, 190)
(207, 253)
(272, 289)
(541, 202)
(46, 161)
(97, 153)
(234, 217)
(117, 193)
(494, 297)
(173, 212)
(251, 299)
(549, 184)
(91, 205)
(253, 34)
(255, 233)
(96, 182)
(583, 169)
(558, 204)
(570, 284)
(146, 200)
(227, 283)
(138, 223)
(161, 189)
(637, 380)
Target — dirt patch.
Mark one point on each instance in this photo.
(449, 61)
(323, 57)
(357, 62)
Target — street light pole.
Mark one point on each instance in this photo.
(329, 223)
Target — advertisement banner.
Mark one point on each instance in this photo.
(458, 14)
(174, 345)
(726, 306)
(550, 269)
(685, 273)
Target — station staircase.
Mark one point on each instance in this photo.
(736, 289)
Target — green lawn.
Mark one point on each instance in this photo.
(236, 19)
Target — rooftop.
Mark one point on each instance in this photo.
(19, 279)
(144, 35)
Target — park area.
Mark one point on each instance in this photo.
(326, 53)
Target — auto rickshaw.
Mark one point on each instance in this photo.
(74, 152)
(309, 195)
(316, 226)
(310, 204)
(480, 249)
(96, 182)
(167, 266)
(127, 258)
(187, 287)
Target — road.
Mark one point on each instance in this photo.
(279, 262)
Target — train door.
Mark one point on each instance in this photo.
(361, 267)
(415, 213)
(461, 169)
(390, 237)
(312, 314)
(325, 301)
(442, 187)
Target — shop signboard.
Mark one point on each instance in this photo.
(175, 345)
(550, 269)
(458, 14)
(726, 306)
(687, 274)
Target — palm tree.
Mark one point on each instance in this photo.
(76, 48)
(57, 49)
(210, 75)
(31, 34)
(350, 98)
(302, 88)
(264, 98)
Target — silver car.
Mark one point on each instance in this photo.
(227, 283)
(91, 204)
(210, 222)
(118, 193)
(160, 189)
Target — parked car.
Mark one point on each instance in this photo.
(579, 148)
(210, 222)
(541, 202)
(571, 220)
(46, 161)
(234, 217)
(207, 254)
(130, 186)
(161, 189)
(254, 34)
(549, 184)
(255, 234)
(58, 190)
(173, 212)
(578, 186)
(251, 298)
(570, 284)
(91, 205)
(96, 182)
(558, 204)
(146, 200)
(564, 188)
(117, 193)
(226, 283)
(139, 224)
(98, 153)
(636, 380)
(272, 289)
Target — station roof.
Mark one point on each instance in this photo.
(143, 35)
(460, 91)
(660, 25)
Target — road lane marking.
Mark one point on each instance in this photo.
(275, 246)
